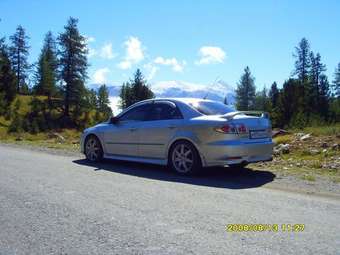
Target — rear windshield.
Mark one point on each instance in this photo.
(211, 107)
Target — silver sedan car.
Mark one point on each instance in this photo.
(184, 133)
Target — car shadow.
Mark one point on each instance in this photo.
(218, 177)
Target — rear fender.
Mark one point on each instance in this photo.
(188, 136)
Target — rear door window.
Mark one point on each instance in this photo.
(164, 111)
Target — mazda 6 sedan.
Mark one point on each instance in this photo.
(186, 134)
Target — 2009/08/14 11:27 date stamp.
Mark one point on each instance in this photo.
(265, 227)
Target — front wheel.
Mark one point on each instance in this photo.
(93, 149)
(184, 158)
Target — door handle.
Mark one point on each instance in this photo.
(132, 129)
(172, 127)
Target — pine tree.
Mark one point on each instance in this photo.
(134, 91)
(323, 104)
(73, 65)
(104, 102)
(274, 95)
(18, 56)
(125, 95)
(262, 101)
(305, 106)
(92, 99)
(245, 92)
(7, 76)
(302, 62)
(317, 69)
(336, 82)
(47, 69)
(288, 105)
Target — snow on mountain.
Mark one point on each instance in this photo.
(217, 91)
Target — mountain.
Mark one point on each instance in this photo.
(217, 91)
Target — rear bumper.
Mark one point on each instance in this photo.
(235, 152)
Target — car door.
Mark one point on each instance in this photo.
(160, 126)
(122, 138)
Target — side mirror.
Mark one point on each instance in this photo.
(114, 120)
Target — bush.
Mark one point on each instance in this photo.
(16, 125)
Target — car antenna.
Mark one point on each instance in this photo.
(206, 95)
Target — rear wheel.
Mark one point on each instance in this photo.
(93, 149)
(184, 158)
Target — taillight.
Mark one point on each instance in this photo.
(241, 129)
(232, 129)
(226, 129)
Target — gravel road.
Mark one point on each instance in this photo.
(60, 204)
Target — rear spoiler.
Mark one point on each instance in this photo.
(260, 114)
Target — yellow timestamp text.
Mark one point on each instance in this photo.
(265, 227)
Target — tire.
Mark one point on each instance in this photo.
(184, 159)
(93, 149)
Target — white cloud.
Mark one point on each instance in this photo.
(89, 39)
(91, 52)
(134, 53)
(151, 69)
(173, 62)
(106, 51)
(210, 54)
(99, 75)
(125, 65)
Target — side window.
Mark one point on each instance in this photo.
(164, 111)
(138, 113)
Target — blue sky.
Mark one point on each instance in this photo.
(194, 41)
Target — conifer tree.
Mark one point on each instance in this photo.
(134, 91)
(47, 69)
(103, 101)
(245, 92)
(18, 56)
(7, 76)
(73, 67)
(336, 82)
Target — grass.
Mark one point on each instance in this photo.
(324, 130)
(283, 139)
(308, 177)
(44, 139)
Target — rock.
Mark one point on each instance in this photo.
(58, 137)
(324, 150)
(314, 152)
(300, 134)
(324, 145)
(305, 137)
(19, 138)
(298, 164)
(281, 149)
(336, 146)
(276, 133)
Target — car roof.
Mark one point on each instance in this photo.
(178, 99)
(183, 100)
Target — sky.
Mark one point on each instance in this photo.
(189, 40)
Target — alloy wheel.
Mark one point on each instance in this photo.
(183, 158)
(93, 149)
